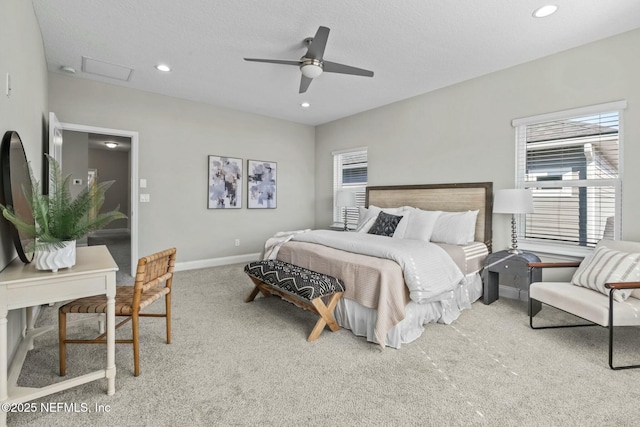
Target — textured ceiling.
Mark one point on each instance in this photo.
(413, 46)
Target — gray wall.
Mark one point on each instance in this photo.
(463, 133)
(75, 159)
(176, 136)
(25, 111)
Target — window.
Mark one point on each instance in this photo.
(349, 173)
(571, 161)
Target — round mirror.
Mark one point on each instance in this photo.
(16, 187)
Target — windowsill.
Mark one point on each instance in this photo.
(555, 250)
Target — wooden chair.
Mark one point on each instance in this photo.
(152, 271)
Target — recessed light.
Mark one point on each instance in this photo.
(545, 11)
(163, 67)
(305, 105)
(111, 144)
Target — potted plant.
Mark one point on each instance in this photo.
(59, 219)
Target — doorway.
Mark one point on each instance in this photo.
(88, 152)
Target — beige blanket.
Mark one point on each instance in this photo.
(372, 282)
(469, 258)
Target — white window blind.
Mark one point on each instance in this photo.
(572, 163)
(349, 173)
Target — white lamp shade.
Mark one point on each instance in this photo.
(346, 199)
(513, 201)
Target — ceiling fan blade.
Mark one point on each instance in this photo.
(304, 84)
(333, 67)
(275, 61)
(316, 48)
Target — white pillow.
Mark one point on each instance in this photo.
(419, 224)
(455, 228)
(363, 217)
(366, 225)
(606, 265)
(402, 225)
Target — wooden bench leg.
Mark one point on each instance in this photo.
(326, 316)
(260, 287)
(253, 294)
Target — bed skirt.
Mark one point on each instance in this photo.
(362, 320)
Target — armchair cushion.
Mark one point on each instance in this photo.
(586, 303)
(607, 265)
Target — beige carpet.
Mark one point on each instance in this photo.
(233, 363)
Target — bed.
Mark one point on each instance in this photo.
(394, 286)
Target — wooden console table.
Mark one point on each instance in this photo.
(21, 285)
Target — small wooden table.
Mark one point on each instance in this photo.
(21, 285)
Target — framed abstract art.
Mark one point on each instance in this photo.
(262, 184)
(225, 183)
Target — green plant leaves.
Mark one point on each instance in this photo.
(58, 216)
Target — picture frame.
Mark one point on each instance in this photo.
(224, 186)
(262, 184)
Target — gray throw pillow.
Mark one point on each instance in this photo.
(385, 224)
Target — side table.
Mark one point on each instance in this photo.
(516, 267)
(21, 285)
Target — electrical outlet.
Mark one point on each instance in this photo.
(145, 198)
(237, 242)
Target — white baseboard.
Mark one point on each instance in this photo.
(216, 262)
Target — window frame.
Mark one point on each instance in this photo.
(337, 212)
(520, 125)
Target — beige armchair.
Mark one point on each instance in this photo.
(605, 290)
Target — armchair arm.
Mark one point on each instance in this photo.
(622, 285)
(554, 264)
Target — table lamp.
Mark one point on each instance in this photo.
(345, 199)
(513, 201)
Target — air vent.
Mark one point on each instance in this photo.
(106, 69)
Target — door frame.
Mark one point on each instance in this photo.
(133, 170)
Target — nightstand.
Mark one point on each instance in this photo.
(515, 267)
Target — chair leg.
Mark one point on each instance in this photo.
(615, 368)
(168, 314)
(531, 305)
(62, 336)
(136, 344)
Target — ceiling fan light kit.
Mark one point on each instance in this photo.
(311, 68)
(312, 63)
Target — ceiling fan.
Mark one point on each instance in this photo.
(312, 64)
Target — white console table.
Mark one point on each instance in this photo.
(21, 285)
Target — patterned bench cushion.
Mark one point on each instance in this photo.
(295, 280)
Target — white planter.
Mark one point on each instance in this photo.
(56, 258)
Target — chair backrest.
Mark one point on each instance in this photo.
(620, 245)
(153, 270)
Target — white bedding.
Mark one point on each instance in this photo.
(361, 320)
(429, 271)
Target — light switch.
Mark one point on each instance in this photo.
(145, 198)
(8, 87)
(143, 183)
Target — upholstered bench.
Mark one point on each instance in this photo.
(300, 286)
